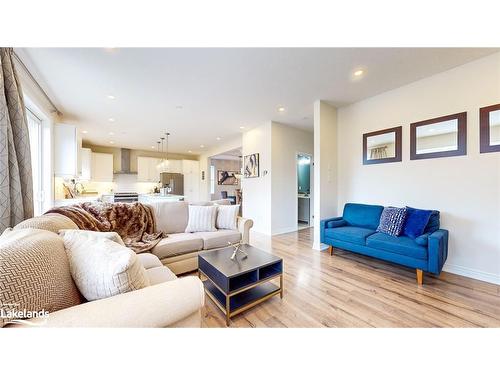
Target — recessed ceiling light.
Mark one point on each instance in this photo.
(281, 109)
(111, 133)
(242, 127)
(111, 97)
(218, 138)
(358, 73)
(111, 142)
(84, 131)
(202, 146)
(111, 119)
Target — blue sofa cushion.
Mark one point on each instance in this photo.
(349, 234)
(433, 224)
(392, 221)
(398, 245)
(362, 215)
(416, 221)
(335, 223)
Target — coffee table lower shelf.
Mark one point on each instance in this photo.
(243, 300)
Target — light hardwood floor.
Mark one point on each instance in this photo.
(351, 290)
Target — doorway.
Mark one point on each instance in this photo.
(304, 190)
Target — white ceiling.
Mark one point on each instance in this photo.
(219, 90)
(229, 155)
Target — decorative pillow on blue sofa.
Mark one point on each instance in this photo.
(392, 221)
(433, 224)
(416, 221)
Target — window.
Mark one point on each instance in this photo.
(212, 179)
(35, 134)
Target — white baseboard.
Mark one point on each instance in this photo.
(285, 230)
(472, 273)
(319, 246)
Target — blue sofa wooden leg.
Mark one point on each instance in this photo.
(420, 277)
(330, 249)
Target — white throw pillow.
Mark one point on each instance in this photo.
(227, 216)
(102, 268)
(113, 236)
(201, 219)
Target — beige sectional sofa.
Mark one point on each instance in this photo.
(168, 302)
(179, 251)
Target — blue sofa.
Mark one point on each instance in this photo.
(356, 231)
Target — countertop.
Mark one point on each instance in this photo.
(159, 196)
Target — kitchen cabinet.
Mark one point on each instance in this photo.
(170, 166)
(86, 164)
(102, 167)
(148, 169)
(191, 172)
(66, 151)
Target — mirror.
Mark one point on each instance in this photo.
(383, 146)
(439, 137)
(489, 128)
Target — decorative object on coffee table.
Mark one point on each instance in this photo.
(237, 285)
(237, 248)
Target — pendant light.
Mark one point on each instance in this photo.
(162, 164)
(167, 135)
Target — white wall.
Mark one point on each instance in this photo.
(271, 200)
(286, 142)
(257, 191)
(466, 189)
(325, 165)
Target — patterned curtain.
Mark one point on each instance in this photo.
(16, 185)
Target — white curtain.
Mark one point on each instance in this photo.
(16, 186)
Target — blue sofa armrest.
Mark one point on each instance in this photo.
(438, 250)
(338, 222)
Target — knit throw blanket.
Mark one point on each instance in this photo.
(134, 222)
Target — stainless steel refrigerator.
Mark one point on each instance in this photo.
(173, 181)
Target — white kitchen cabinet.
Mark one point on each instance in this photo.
(86, 164)
(175, 166)
(142, 169)
(191, 172)
(102, 167)
(147, 169)
(66, 150)
(154, 170)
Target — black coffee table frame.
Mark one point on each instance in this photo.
(238, 285)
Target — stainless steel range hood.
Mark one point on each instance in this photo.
(125, 162)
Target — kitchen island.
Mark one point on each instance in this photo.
(146, 198)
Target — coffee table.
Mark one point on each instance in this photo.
(239, 284)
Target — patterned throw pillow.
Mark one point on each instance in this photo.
(392, 221)
(34, 273)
